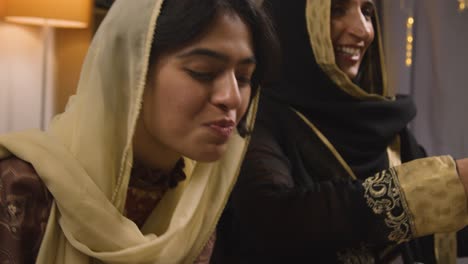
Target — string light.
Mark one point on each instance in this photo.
(407, 7)
(462, 6)
(409, 41)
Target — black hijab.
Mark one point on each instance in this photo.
(360, 124)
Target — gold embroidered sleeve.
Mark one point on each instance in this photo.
(435, 195)
(418, 198)
(384, 197)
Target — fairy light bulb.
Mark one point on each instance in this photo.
(461, 5)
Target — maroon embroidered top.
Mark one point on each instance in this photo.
(147, 187)
(24, 210)
(25, 206)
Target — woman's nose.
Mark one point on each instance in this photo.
(359, 25)
(226, 94)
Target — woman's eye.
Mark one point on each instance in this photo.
(368, 11)
(243, 81)
(337, 10)
(201, 76)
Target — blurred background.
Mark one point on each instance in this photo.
(426, 46)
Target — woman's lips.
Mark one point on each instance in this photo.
(222, 128)
(224, 132)
(349, 54)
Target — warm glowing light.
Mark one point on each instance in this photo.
(2, 8)
(42, 21)
(461, 5)
(409, 41)
(55, 13)
(409, 62)
(407, 7)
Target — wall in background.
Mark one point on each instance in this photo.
(438, 77)
(70, 50)
(21, 60)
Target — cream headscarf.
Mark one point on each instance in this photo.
(85, 160)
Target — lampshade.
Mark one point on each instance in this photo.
(55, 13)
(2, 8)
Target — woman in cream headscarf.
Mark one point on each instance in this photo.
(163, 87)
(321, 181)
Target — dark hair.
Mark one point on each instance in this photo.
(182, 21)
(369, 76)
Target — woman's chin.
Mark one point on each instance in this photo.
(350, 70)
(208, 154)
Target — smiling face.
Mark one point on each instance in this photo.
(352, 33)
(195, 96)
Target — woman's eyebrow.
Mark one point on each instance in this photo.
(338, 1)
(214, 55)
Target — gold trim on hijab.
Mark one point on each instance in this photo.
(318, 25)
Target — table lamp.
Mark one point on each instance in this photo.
(2, 8)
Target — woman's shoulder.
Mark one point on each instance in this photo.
(275, 113)
(14, 163)
(21, 189)
(272, 104)
(24, 210)
(19, 177)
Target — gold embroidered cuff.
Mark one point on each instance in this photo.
(434, 195)
(383, 195)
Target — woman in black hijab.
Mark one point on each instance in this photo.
(323, 179)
